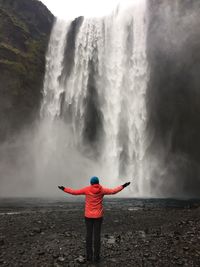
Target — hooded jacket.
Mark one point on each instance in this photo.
(93, 198)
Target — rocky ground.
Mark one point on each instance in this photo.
(54, 235)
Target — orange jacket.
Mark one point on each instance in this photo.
(94, 198)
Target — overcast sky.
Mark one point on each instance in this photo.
(69, 9)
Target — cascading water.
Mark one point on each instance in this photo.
(52, 88)
(95, 86)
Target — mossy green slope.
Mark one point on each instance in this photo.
(25, 27)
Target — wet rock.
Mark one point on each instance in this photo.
(129, 233)
(2, 241)
(177, 233)
(180, 262)
(67, 234)
(31, 234)
(37, 230)
(70, 257)
(55, 255)
(113, 260)
(176, 257)
(152, 258)
(61, 259)
(118, 239)
(66, 254)
(111, 240)
(81, 260)
(141, 234)
(41, 252)
(24, 260)
(49, 250)
(21, 251)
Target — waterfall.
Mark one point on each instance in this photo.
(52, 89)
(95, 85)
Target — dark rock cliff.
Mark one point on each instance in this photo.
(174, 94)
(25, 27)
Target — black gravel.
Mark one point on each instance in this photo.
(54, 235)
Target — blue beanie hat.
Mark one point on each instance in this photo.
(94, 180)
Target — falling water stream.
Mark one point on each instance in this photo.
(94, 96)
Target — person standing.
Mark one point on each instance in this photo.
(93, 213)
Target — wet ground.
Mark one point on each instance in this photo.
(35, 232)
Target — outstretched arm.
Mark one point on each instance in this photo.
(72, 191)
(109, 191)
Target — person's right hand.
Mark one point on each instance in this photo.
(61, 187)
(126, 184)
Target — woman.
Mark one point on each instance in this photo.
(93, 212)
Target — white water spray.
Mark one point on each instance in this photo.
(54, 57)
(107, 81)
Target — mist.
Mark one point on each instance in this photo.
(152, 141)
(34, 164)
(173, 97)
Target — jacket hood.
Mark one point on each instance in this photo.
(95, 188)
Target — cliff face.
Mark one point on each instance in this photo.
(174, 94)
(25, 28)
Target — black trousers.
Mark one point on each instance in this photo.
(93, 232)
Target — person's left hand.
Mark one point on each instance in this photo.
(61, 187)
